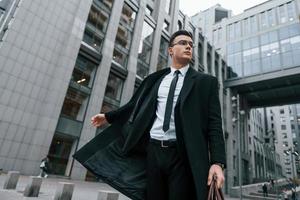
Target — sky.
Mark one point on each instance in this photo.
(191, 7)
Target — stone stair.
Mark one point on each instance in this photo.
(259, 196)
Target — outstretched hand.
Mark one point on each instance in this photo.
(98, 120)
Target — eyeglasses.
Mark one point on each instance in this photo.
(184, 43)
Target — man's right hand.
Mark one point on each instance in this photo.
(98, 120)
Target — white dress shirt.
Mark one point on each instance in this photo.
(156, 131)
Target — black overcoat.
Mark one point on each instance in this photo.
(117, 155)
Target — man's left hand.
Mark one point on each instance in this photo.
(217, 170)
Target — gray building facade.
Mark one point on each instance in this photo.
(64, 61)
(261, 40)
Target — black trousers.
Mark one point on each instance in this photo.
(168, 177)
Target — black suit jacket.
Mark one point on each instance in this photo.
(117, 155)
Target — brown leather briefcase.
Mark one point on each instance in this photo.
(214, 193)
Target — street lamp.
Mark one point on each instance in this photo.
(275, 167)
(236, 103)
(295, 153)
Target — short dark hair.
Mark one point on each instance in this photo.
(177, 33)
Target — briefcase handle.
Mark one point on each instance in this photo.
(214, 193)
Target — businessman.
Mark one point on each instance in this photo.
(167, 141)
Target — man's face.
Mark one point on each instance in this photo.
(181, 49)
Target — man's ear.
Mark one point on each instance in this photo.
(170, 50)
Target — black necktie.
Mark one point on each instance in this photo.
(169, 104)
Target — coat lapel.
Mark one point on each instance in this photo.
(155, 76)
(148, 84)
(188, 83)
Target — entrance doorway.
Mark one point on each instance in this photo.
(60, 153)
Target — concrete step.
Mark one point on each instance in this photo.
(258, 197)
(261, 194)
(58, 176)
(269, 192)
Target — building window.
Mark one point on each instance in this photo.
(217, 36)
(283, 127)
(112, 96)
(284, 135)
(114, 88)
(190, 28)
(290, 45)
(163, 54)
(237, 29)
(247, 27)
(168, 6)
(149, 10)
(74, 105)
(230, 32)
(145, 48)
(209, 62)
(107, 107)
(270, 51)
(1, 16)
(200, 53)
(107, 3)
(179, 25)
(291, 11)
(253, 24)
(124, 35)
(293, 126)
(81, 82)
(282, 119)
(166, 26)
(234, 162)
(97, 23)
(251, 58)
(271, 17)
(98, 18)
(281, 111)
(282, 14)
(267, 140)
(234, 58)
(263, 20)
(84, 72)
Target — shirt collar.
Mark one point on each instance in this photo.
(182, 70)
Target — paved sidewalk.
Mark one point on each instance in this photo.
(82, 191)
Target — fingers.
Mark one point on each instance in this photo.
(98, 120)
(210, 176)
(216, 171)
(220, 182)
(95, 121)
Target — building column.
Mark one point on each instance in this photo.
(128, 88)
(205, 54)
(157, 36)
(174, 16)
(231, 173)
(195, 50)
(221, 93)
(213, 54)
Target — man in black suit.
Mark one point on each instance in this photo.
(167, 141)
